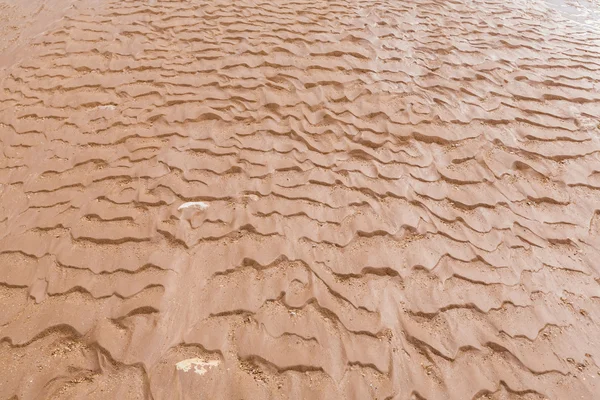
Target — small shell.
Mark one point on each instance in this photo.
(200, 205)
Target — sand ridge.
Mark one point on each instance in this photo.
(303, 199)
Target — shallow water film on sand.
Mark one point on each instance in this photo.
(299, 199)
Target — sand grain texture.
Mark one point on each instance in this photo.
(299, 200)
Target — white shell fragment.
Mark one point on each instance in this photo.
(200, 205)
(107, 107)
(198, 365)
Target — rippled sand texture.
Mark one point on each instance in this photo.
(399, 200)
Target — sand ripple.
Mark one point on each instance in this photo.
(305, 199)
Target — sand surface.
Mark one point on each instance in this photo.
(299, 199)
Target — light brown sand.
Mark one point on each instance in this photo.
(387, 200)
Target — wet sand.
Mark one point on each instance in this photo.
(299, 200)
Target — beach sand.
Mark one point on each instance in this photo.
(299, 199)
